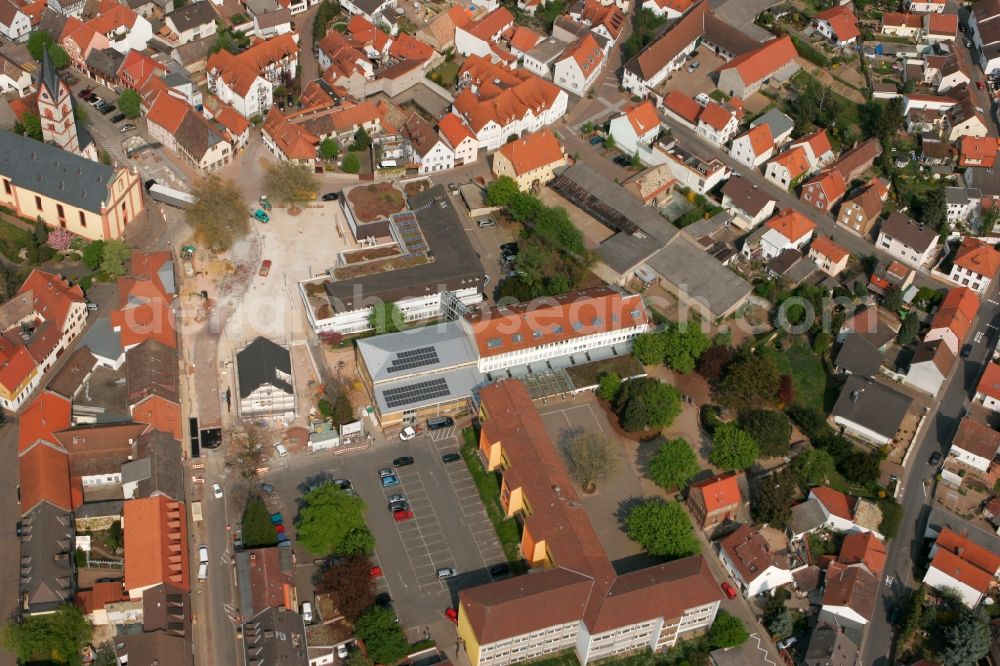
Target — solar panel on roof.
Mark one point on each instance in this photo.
(413, 358)
(407, 395)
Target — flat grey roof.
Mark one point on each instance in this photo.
(102, 340)
(872, 405)
(421, 350)
(776, 120)
(685, 265)
(548, 50)
(455, 265)
(432, 389)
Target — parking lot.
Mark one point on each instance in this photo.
(449, 527)
(701, 79)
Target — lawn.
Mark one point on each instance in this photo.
(12, 239)
(488, 486)
(375, 202)
(808, 375)
(445, 74)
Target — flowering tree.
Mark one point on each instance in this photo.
(60, 239)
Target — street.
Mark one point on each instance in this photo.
(918, 479)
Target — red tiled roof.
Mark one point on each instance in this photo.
(761, 139)
(159, 414)
(643, 117)
(749, 553)
(969, 551)
(137, 68)
(795, 160)
(554, 319)
(831, 183)
(683, 105)
(719, 492)
(898, 20)
(715, 116)
(842, 21)
(818, 141)
(454, 130)
(44, 476)
(763, 62)
(791, 224)
(490, 24)
(836, 502)
(942, 24)
(587, 53)
(525, 39)
(957, 311)
(979, 257)
(167, 111)
(293, 140)
(533, 151)
(45, 415)
(103, 592)
(155, 529)
(230, 118)
(989, 385)
(826, 247)
(977, 151)
(863, 547)
(407, 47)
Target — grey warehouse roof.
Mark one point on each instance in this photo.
(419, 351)
(52, 172)
(417, 392)
(684, 264)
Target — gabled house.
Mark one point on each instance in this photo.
(47, 572)
(748, 558)
(459, 138)
(156, 531)
(905, 240)
(858, 356)
(962, 565)
(988, 389)
(788, 168)
(428, 151)
(870, 411)
(14, 23)
(781, 126)
(976, 264)
(247, 81)
(265, 380)
(191, 22)
(861, 211)
(645, 71)
(744, 75)
(953, 320)
(830, 257)
(753, 147)
(579, 66)
(977, 151)
(123, 28)
(671, 9)
(902, 25)
(717, 123)
(824, 190)
(930, 365)
(875, 324)
(863, 548)
(838, 24)
(788, 230)
(715, 500)
(479, 36)
(849, 595)
(975, 444)
(530, 161)
(639, 124)
(844, 513)
(749, 204)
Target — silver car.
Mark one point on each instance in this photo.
(446, 572)
(386, 471)
(397, 498)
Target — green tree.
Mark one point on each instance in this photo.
(782, 624)
(770, 429)
(115, 535)
(713, 363)
(93, 254)
(329, 149)
(326, 12)
(968, 639)
(910, 328)
(591, 457)
(821, 343)
(358, 541)
(609, 142)
(608, 385)
(732, 448)
(683, 346)
(386, 318)
(501, 191)
(660, 403)
(362, 140)
(290, 183)
(327, 516)
(130, 103)
(349, 584)
(727, 631)
(893, 300)
(382, 635)
(989, 220)
(351, 163)
(32, 126)
(673, 464)
(60, 59)
(115, 257)
(750, 383)
(813, 467)
(38, 41)
(40, 233)
(257, 530)
(219, 214)
(892, 516)
(54, 638)
(649, 348)
(772, 496)
(634, 416)
(662, 528)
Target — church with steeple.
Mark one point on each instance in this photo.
(55, 110)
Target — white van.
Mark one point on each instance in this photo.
(280, 448)
(203, 571)
(203, 554)
(387, 164)
(307, 612)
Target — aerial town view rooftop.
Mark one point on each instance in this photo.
(490, 332)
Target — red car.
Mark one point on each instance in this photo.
(376, 572)
(402, 515)
(728, 589)
(279, 528)
(452, 615)
(979, 84)
(265, 268)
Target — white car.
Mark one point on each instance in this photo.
(203, 554)
(407, 433)
(307, 612)
(217, 490)
(342, 651)
(280, 448)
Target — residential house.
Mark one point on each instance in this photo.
(830, 257)
(902, 25)
(156, 469)
(830, 646)
(646, 70)
(478, 37)
(697, 173)
(748, 558)
(265, 379)
(153, 384)
(838, 24)
(753, 147)
(715, 500)
(824, 190)
(847, 514)
(975, 265)
(849, 595)
(276, 635)
(459, 139)
(671, 9)
(744, 75)
(14, 78)
(904, 239)
(498, 103)
(975, 444)
(963, 204)
(653, 186)
(953, 320)
(605, 20)
(188, 133)
(789, 168)
(265, 578)
(124, 29)
(962, 565)
(925, 6)
(163, 635)
(530, 161)
(861, 211)
(988, 389)
(858, 356)
(14, 23)
(869, 410)
(965, 119)
(876, 324)
(191, 22)
(589, 608)
(579, 66)
(930, 365)
(787, 230)
(984, 31)
(344, 64)
(639, 124)
(781, 126)
(717, 123)
(273, 24)
(373, 10)
(47, 572)
(428, 150)
(156, 530)
(977, 151)
(749, 204)
(247, 81)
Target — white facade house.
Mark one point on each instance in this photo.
(356, 320)
(925, 6)
(265, 381)
(125, 38)
(459, 138)
(905, 240)
(748, 558)
(962, 565)
(192, 22)
(716, 124)
(976, 264)
(689, 170)
(988, 389)
(370, 9)
(14, 24)
(580, 65)
(478, 37)
(14, 78)
(754, 147)
(640, 124)
(436, 157)
(975, 444)
(650, 67)
(843, 513)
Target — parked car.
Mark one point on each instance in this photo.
(509, 248)
(117, 118)
(401, 516)
(203, 553)
(343, 484)
(105, 110)
(407, 433)
(979, 84)
(729, 590)
(450, 458)
(277, 518)
(375, 572)
(693, 66)
(439, 422)
(280, 448)
(935, 458)
(966, 351)
(787, 643)
(384, 472)
(501, 569)
(262, 216)
(446, 572)
(398, 497)
(398, 506)
(451, 614)
(330, 196)
(342, 651)
(265, 268)
(217, 490)
(389, 481)
(307, 612)
(402, 461)
(596, 140)
(279, 529)
(126, 128)
(84, 93)
(267, 488)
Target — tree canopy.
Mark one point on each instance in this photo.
(673, 464)
(727, 631)
(330, 521)
(386, 318)
(351, 163)
(115, 257)
(290, 183)
(751, 382)
(770, 429)
(608, 385)
(382, 635)
(645, 402)
(771, 498)
(814, 467)
(219, 214)
(662, 528)
(40, 41)
(683, 346)
(329, 149)
(591, 457)
(130, 103)
(501, 191)
(257, 531)
(57, 637)
(349, 584)
(732, 448)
